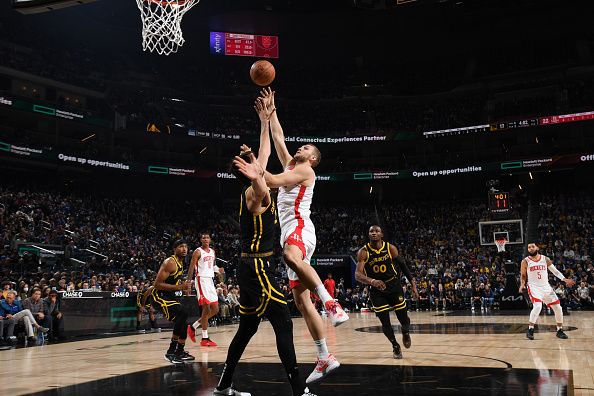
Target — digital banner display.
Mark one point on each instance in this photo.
(533, 164)
(238, 44)
(506, 125)
(332, 261)
(52, 111)
(90, 312)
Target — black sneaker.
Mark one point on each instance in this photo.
(530, 334)
(406, 341)
(173, 358)
(561, 334)
(396, 351)
(230, 392)
(186, 357)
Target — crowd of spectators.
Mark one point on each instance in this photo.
(132, 236)
(565, 230)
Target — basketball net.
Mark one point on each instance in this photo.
(500, 243)
(161, 24)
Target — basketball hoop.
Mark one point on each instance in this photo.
(500, 243)
(161, 24)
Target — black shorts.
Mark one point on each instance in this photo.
(166, 302)
(139, 305)
(260, 293)
(390, 298)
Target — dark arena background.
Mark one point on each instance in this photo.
(452, 125)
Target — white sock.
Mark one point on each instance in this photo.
(323, 293)
(531, 326)
(559, 327)
(322, 348)
(196, 324)
(204, 333)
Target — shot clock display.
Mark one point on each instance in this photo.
(499, 202)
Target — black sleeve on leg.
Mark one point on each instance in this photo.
(387, 329)
(402, 315)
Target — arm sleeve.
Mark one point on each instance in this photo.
(404, 268)
(556, 272)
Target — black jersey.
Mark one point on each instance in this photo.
(379, 264)
(257, 231)
(174, 278)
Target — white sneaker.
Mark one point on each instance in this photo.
(323, 368)
(336, 313)
(306, 392)
(230, 392)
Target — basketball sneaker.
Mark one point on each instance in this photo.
(561, 334)
(406, 340)
(207, 342)
(530, 334)
(173, 358)
(186, 357)
(230, 392)
(336, 313)
(192, 333)
(323, 368)
(396, 352)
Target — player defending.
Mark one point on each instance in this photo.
(375, 267)
(534, 273)
(165, 298)
(260, 295)
(298, 237)
(204, 267)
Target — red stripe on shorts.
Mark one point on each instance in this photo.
(296, 237)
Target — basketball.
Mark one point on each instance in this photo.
(262, 73)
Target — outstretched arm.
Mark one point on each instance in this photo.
(299, 175)
(278, 136)
(264, 113)
(558, 274)
(257, 196)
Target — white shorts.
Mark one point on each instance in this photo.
(543, 294)
(304, 238)
(207, 294)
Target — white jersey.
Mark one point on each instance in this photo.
(294, 203)
(538, 274)
(206, 267)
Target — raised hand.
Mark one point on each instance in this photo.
(267, 95)
(245, 149)
(264, 111)
(251, 170)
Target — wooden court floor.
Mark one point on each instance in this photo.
(439, 340)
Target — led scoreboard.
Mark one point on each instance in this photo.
(238, 44)
(499, 202)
